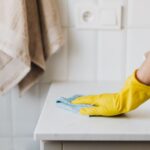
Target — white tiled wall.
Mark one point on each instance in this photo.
(89, 55)
(111, 55)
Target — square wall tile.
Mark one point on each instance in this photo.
(25, 111)
(57, 64)
(82, 56)
(138, 13)
(6, 144)
(111, 56)
(5, 115)
(138, 44)
(22, 143)
(44, 88)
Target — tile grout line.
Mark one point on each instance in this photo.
(67, 41)
(67, 52)
(12, 122)
(96, 52)
(96, 55)
(125, 39)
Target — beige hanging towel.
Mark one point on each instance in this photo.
(30, 31)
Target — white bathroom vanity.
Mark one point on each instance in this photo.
(58, 129)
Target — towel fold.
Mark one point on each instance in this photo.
(30, 32)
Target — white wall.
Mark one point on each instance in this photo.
(89, 55)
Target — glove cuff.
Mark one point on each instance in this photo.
(138, 83)
(133, 94)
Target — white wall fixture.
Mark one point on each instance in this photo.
(92, 16)
(86, 16)
(110, 18)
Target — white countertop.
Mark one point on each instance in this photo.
(57, 124)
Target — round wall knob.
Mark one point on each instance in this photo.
(87, 16)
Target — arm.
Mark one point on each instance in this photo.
(143, 73)
(135, 92)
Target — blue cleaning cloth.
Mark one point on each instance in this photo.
(65, 103)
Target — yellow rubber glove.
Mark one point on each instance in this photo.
(129, 98)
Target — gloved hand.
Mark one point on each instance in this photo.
(133, 94)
